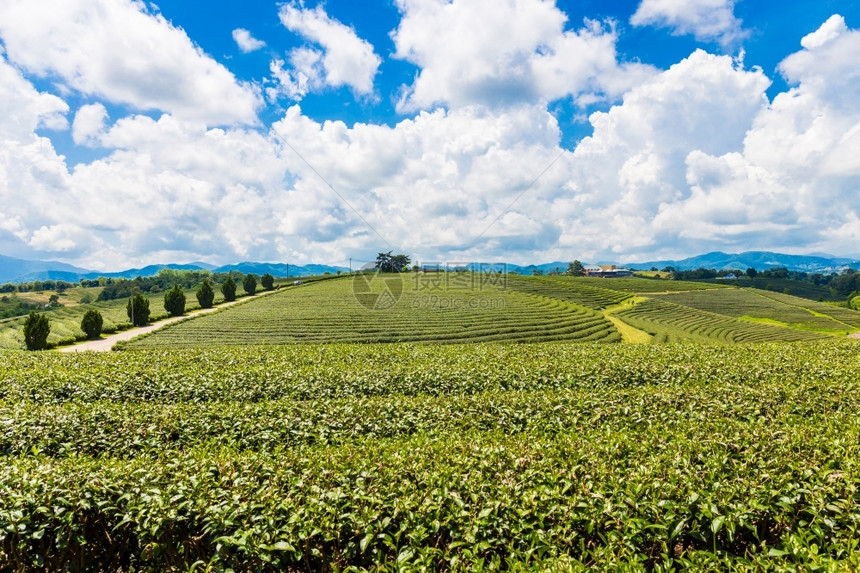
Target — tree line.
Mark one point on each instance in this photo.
(36, 286)
(845, 283)
(37, 326)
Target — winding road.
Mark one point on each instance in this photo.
(107, 343)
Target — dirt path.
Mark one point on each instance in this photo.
(629, 334)
(855, 335)
(107, 343)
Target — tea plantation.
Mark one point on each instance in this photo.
(455, 309)
(472, 308)
(332, 427)
(455, 457)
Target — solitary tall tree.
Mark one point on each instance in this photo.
(205, 295)
(174, 301)
(138, 310)
(249, 284)
(36, 331)
(92, 323)
(267, 281)
(228, 289)
(575, 269)
(388, 263)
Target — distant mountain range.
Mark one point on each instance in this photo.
(23, 271)
(16, 270)
(19, 270)
(759, 260)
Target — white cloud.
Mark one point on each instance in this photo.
(246, 42)
(833, 28)
(694, 158)
(705, 19)
(121, 51)
(634, 167)
(59, 238)
(431, 184)
(24, 109)
(89, 123)
(827, 67)
(342, 59)
(33, 179)
(797, 177)
(519, 53)
(305, 75)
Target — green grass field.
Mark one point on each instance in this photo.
(432, 457)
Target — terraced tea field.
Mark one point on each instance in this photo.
(462, 307)
(585, 292)
(446, 309)
(669, 322)
(839, 313)
(743, 303)
(644, 286)
(802, 289)
(435, 457)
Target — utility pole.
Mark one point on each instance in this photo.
(350, 264)
(131, 300)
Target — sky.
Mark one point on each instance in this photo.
(523, 131)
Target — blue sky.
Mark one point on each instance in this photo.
(774, 30)
(517, 130)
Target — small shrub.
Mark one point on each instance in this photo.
(138, 310)
(174, 301)
(205, 295)
(267, 281)
(249, 284)
(36, 330)
(228, 289)
(92, 324)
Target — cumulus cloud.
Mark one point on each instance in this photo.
(708, 20)
(246, 42)
(799, 170)
(693, 158)
(513, 52)
(833, 28)
(33, 178)
(337, 57)
(89, 123)
(121, 51)
(634, 166)
(431, 185)
(24, 109)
